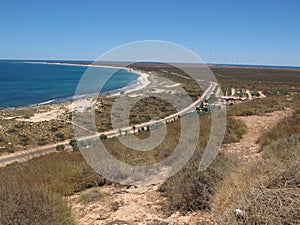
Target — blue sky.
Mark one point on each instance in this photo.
(242, 31)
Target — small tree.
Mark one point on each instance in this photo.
(103, 137)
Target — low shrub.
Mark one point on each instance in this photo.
(288, 126)
(235, 129)
(91, 195)
(60, 147)
(60, 136)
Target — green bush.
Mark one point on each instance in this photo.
(103, 137)
(74, 144)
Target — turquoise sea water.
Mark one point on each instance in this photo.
(24, 84)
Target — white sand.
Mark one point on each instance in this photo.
(174, 85)
(80, 105)
(44, 116)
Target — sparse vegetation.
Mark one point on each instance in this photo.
(288, 126)
(268, 190)
(258, 106)
(91, 195)
(32, 192)
(235, 130)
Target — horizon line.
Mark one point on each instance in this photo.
(207, 63)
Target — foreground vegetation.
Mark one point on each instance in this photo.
(30, 190)
(266, 191)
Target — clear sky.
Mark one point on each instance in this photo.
(224, 31)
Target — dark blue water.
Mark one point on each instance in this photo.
(24, 84)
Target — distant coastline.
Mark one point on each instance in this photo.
(142, 81)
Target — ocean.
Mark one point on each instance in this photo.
(25, 83)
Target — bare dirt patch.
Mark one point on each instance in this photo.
(247, 147)
(134, 205)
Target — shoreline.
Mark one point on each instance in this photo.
(141, 82)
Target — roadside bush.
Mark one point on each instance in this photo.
(103, 137)
(59, 147)
(9, 150)
(74, 144)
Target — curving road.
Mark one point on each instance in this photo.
(42, 150)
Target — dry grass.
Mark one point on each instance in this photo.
(258, 106)
(32, 192)
(268, 190)
(29, 204)
(271, 206)
(191, 190)
(288, 126)
(61, 174)
(91, 195)
(235, 130)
